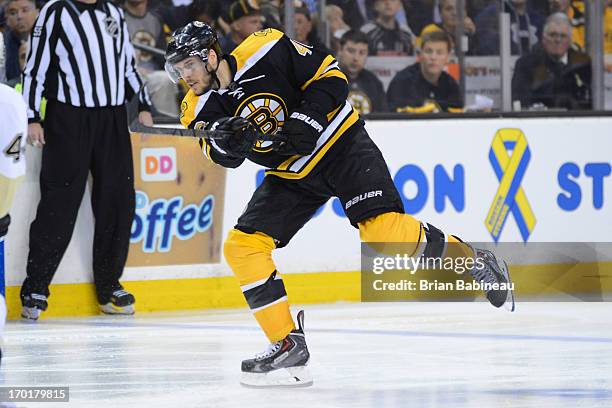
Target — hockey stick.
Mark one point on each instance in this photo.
(149, 49)
(136, 126)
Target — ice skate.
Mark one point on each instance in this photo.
(33, 305)
(120, 302)
(283, 364)
(494, 271)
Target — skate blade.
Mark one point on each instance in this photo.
(111, 309)
(509, 304)
(291, 377)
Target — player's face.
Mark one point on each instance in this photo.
(434, 57)
(192, 70)
(556, 39)
(20, 16)
(387, 8)
(353, 57)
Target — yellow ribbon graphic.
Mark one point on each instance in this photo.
(510, 171)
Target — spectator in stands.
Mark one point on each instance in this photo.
(334, 17)
(575, 11)
(525, 28)
(20, 18)
(344, 15)
(385, 35)
(354, 13)
(305, 30)
(244, 17)
(272, 13)
(206, 11)
(555, 75)
(475, 7)
(448, 14)
(424, 12)
(541, 7)
(146, 29)
(174, 16)
(421, 13)
(16, 82)
(424, 86)
(366, 92)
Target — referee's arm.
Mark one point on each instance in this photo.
(37, 65)
(134, 83)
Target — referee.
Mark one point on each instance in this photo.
(81, 60)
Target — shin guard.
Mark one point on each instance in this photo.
(250, 257)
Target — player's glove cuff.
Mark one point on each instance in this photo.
(302, 130)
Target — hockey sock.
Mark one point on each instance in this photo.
(250, 257)
(420, 239)
(391, 227)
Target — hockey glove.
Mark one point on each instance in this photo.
(239, 137)
(301, 130)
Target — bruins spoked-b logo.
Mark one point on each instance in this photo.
(360, 101)
(267, 112)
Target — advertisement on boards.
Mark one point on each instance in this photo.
(179, 204)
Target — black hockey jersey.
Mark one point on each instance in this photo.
(272, 76)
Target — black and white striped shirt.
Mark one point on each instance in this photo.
(80, 54)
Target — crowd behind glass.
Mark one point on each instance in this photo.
(399, 55)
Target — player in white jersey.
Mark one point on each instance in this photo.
(13, 133)
(12, 144)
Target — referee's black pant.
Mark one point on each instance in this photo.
(80, 140)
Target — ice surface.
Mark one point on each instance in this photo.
(363, 355)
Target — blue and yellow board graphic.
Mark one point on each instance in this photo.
(510, 196)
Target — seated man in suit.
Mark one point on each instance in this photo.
(554, 75)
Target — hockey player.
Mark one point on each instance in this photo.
(274, 85)
(12, 166)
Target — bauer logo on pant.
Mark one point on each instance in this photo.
(361, 197)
